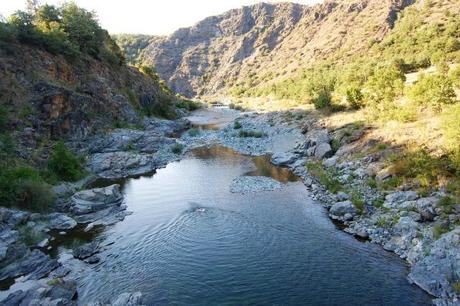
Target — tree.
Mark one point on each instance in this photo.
(384, 87)
(433, 91)
(82, 28)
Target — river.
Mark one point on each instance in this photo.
(190, 241)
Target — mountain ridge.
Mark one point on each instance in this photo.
(271, 40)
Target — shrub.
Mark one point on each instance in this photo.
(322, 99)
(64, 164)
(418, 166)
(439, 230)
(255, 134)
(237, 125)
(188, 105)
(23, 187)
(456, 286)
(194, 132)
(177, 148)
(325, 177)
(355, 97)
(447, 204)
(4, 118)
(433, 91)
(358, 202)
(454, 76)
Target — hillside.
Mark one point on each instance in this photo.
(132, 45)
(265, 42)
(54, 89)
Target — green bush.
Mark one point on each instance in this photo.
(322, 99)
(383, 87)
(355, 97)
(433, 91)
(177, 148)
(194, 132)
(358, 202)
(188, 105)
(326, 177)
(237, 125)
(64, 164)
(4, 117)
(23, 187)
(246, 134)
(68, 30)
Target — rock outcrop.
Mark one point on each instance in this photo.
(265, 41)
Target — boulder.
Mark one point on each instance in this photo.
(34, 264)
(86, 250)
(342, 196)
(340, 209)
(323, 150)
(283, 159)
(92, 200)
(58, 221)
(330, 162)
(59, 292)
(121, 164)
(382, 175)
(437, 272)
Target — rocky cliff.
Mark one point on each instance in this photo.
(265, 42)
(47, 97)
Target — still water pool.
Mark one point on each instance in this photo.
(190, 241)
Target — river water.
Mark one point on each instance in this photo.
(190, 241)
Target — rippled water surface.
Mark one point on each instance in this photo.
(191, 241)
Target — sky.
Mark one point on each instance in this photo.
(156, 17)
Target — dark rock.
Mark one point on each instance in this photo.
(87, 250)
(35, 264)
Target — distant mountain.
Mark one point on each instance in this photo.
(266, 42)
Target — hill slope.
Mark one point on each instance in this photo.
(264, 42)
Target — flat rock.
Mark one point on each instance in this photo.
(59, 221)
(437, 272)
(92, 200)
(283, 159)
(34, 264)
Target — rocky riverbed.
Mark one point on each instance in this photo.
(401, 221)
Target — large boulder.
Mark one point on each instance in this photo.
(87, 250)
(121, 164)
(34, 264)
(59, 292)
(92, 200)
(283, 159)
(59, 221)
(323, 150)
(440, 270)
(343, 211)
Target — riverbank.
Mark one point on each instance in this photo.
(340, 167)
(402, 221)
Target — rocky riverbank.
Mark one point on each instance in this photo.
(401, 221)
(419, 228)
(26, 239)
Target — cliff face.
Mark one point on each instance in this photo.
(268, 40)
(48, 97)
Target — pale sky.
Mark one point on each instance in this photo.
(148, 16)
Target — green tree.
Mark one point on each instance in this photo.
(433, 91)
(384, 86)
(64, 164)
